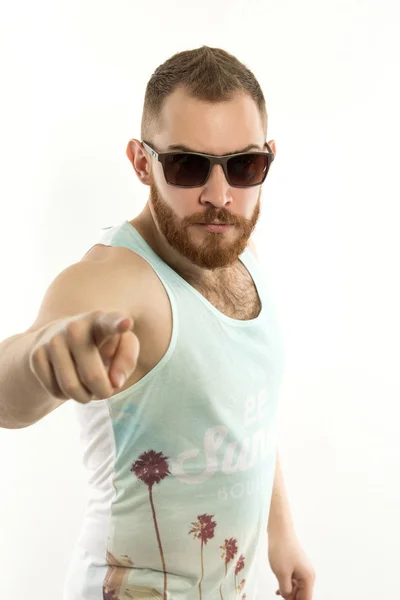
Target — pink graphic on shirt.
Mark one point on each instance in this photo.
(152, 467)
(203, 529)
(239, 567)
(229, 551)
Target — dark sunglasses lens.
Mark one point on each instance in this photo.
(186, 169)
(247, 169)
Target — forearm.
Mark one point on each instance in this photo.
(23, 400)
(280, 520)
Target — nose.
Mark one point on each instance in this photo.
(216, 190)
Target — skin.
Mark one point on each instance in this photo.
(168, 219)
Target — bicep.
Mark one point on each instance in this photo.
(82, 287)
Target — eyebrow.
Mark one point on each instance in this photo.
(187, 149)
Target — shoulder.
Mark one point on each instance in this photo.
(125, 273)
(116, 257)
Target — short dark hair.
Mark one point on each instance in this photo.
(209, 74)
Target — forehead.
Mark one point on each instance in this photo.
(210, 127)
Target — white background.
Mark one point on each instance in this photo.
(73, 76)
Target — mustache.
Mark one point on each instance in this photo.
(209, 218)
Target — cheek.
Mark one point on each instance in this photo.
(180, 203)
(245, 201)
(185, 203)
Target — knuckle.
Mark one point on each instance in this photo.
(37, 356)
(38, 362)
(54, 342)
(93, 377)
(74, 330)
(71, 387)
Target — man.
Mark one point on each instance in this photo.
(186, 482)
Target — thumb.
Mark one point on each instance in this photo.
(125, 359)
(285, 587)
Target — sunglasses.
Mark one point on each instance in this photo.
(192, 169)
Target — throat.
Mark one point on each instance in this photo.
(236, 296)
(219, 281)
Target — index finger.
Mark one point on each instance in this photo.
(109, 324)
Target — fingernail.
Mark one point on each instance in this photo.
(120, 379)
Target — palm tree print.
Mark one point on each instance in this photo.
(152, 467)
(239, 567)
(229, 551)
(241, 586)
(109, 595)
(203, 529)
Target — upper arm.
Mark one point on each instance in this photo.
(89, 285)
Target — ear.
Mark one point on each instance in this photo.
(272, 145)
(140, 161)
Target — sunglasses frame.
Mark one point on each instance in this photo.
(214, 160)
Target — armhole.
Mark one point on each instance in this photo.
(96, 252)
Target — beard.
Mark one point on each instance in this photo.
(216, 250)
